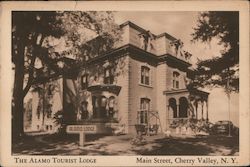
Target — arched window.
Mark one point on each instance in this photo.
(183, 107)
(173, 106)
(145, 71)
(176, 77)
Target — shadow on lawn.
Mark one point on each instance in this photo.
(203, 145)
(53, 145)
(120, 145)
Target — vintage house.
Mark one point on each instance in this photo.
(141, 83)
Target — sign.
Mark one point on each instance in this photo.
(87, 129)
(82, 130)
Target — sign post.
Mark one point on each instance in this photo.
(81, 130)
(81, 138)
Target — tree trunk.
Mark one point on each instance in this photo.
(44, 105)
(17, 121)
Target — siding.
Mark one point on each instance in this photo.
(137, 91)
(161, 98)
(123, 97)
(161, 45)
(169, 81)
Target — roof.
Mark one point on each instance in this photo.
(131, 24)
(193, 91)
(174, 59)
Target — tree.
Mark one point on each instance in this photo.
(33, 38)
(221, 70)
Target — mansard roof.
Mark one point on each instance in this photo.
(133, 25)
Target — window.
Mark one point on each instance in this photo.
(84, 110)
(176, 80)
(145, 75)
(144, 109)
(95, 105)
(50, 89)
(84, 81)
(103, 106)
(111, 106)
(108, 75)
(49, 110)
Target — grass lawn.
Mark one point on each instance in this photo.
(121, 145)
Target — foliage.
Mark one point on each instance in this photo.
(42, 41)
(48, 37)
(58, 120)
(222, 70)
(195, 125)
(138, 140)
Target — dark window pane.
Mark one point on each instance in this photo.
(145, 75)
(177, 84)
(109, 75)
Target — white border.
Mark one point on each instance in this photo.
(7, 77)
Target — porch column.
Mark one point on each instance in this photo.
(202, 105)
(168, 117)
(207, 109)
(196, 110)
(177, 109)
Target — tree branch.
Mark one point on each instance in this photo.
(32, 63)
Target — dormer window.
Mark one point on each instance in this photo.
(146, 41)
(109, 75)
(84, 81)
(145, 71)
(176, 77)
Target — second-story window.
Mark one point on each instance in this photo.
(145, 75)
(176, 77)
(84, 81)
(109, 75)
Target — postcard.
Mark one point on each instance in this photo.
(107, 83)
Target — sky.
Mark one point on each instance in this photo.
(180, 25)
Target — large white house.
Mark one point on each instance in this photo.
(142, 84)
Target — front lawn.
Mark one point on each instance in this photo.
(121, 145)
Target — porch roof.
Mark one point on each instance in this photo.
(105, 87)
(192, 92)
